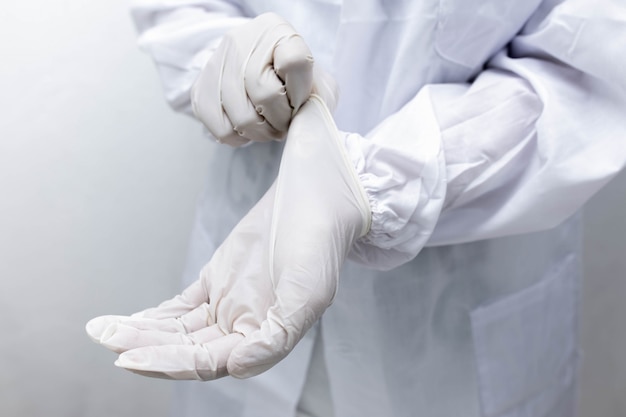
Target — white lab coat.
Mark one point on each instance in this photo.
(528, 101)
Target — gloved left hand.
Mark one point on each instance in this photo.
(270, 280)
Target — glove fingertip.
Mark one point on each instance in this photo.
(92, 329)
(97, 326)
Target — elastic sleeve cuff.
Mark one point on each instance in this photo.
(402, 169)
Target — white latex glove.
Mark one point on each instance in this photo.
(270, 280)
(259, 76)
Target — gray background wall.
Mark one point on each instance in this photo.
(98, 180)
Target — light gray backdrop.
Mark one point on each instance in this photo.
(98, 180)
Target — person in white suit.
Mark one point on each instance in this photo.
(466, 135)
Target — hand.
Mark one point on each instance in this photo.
(270, 280)
(255, 81)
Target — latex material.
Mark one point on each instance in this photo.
(270, 280)
(259, 76)
(405, 184)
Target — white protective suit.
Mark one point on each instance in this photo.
(489, 121)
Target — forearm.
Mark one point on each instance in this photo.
(524, 145)
(181, 36)
(550, 138)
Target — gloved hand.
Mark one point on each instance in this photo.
(270, 280)
(260, 75)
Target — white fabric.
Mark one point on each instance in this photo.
(264, 287)
(528, 98)
(405, 183)
(515, 89)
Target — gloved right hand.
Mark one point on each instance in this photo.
(257, 79)
(270, 280)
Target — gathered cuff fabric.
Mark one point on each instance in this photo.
(401, 166)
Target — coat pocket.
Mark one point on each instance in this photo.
(526, 348)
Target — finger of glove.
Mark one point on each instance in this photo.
(192, 297)
(119, 337)
(278, 51)
(241, 112)
(262, 349)
(269, 97)
(293, 63)
(200, 362)
(195, 320)
(96, 326)
(206, 100)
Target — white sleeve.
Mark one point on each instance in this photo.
(181, 35)
(537, 133)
